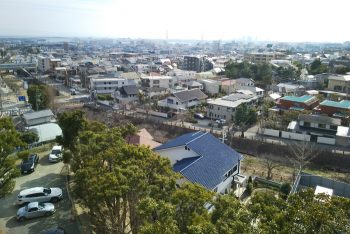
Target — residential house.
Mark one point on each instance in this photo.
(194, 85)
(289, 89)
(182, 100)
(152, 92)
(305, 102)
(210, 86)
(142, 137)
(126, 94)
(333, 108)
(203, 159)
(225, 107)
(181, 76)
(38, 117)
(321, 129)
(339, 83)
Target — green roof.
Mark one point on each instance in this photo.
(344, 104)
(303, 99)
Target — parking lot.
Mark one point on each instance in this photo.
(47, 175)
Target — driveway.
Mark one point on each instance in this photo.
(48, 175)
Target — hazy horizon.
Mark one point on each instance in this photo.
(269, 20)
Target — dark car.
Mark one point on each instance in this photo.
(28, 165)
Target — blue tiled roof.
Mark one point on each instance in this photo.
(216, 158)
(303, 99)
(182, 164)
(181, 140)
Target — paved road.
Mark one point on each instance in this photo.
(46, 174)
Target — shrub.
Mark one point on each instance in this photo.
(285, 190)
(250, 188)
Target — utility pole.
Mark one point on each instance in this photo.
(0, 101)
(37, 94)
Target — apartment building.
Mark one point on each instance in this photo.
(43, 63)
(339, 83)
(197, 63)
(157, 81)
(106, 85)
(264, 57)
(225, 107)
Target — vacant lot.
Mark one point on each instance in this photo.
(283, 172)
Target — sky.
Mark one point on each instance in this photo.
(271, 20)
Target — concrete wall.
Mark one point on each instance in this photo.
(295, 136)
(154, 113)
(343, 141)
(326, 140)
(271, 132)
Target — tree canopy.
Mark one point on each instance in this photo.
(40, 96)
(245, 115)
(9, 140)
(71, 122)
(29, 137)
(261, 73)
(317, 67)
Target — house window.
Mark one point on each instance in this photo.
(333, 127)
(215, 190)
(177, 103)
(230, 172)
(321, 125)
(307, 124)
(218, 108)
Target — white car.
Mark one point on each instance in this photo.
(39, 194)
(56, 154)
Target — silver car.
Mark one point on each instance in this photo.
(35, 209)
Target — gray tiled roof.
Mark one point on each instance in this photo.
(192, 94)
(129, 89)
(38, 114)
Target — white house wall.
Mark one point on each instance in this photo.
(225, 185)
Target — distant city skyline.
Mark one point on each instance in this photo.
(268, 20)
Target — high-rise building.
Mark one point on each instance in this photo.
(197, 63)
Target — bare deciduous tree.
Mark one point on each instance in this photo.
(270, 165)
(302, 152)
